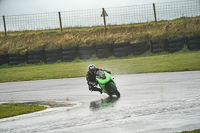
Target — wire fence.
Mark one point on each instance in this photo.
(1, 24)
(173, 10)
(93, 17)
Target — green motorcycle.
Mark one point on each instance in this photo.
(107, 83)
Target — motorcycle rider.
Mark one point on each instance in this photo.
(91, 77)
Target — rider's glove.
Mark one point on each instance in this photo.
(109, 72)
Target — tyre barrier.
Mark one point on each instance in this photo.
(69, 53)
(139, 48)
(52, 55)
(35, 56)
(121, 49)
(156, 47)
(104, 50)
(17, 58)
(165, 43)
(4, 59)
(159, 46)
(86, 52)
(193, 42)
(175, 45)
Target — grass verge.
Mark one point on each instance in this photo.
(148, 63)
(9, 110)
(194, 131)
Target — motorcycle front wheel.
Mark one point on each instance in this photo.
(113, 89)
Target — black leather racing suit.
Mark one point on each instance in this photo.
(91, 77)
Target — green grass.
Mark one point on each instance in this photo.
(148, 63)
(9, 110)
(194, 131)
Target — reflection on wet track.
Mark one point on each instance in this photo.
(155, 103)
(108, 102)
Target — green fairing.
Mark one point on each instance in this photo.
(102, 82)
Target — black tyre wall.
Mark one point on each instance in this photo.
(122, 49)
(193, 37)
(139, 48)
(193, 42)
(52, 55)
(4, 59)
(104, 50)
(165, 44)
(35, 56)
(69, 53)
(86, 52)
(17, 58)
(156, 46)
(176, 45)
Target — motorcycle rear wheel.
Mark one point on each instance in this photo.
(112, 88)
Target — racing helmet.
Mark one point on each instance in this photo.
(92, 68)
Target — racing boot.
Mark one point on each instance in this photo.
(101, 91)
(97, 89)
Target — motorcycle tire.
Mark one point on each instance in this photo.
(112, 88)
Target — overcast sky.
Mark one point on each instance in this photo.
(18, 7)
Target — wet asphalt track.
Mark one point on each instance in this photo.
(155, 103)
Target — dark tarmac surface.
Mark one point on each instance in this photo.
(153, 103)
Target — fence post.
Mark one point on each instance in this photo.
(60, 21)
(154, 9)
(104, 18)
(4, 22)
